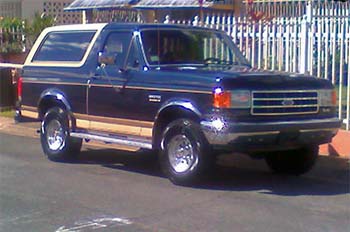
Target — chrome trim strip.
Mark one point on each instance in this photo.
(257, 133)
(223, 137)
(324, 129)
(286, 91)
(278, 114)
(277, 132)
(120, 141)
(282, 106)
(312, 121)
(287, 98)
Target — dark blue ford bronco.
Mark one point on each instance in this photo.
(185, 92)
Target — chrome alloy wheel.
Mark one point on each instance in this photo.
(181, 154)
(55, 135)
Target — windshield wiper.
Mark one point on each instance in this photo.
(217, 61)
(240, 64)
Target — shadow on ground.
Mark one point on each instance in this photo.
(330, 176)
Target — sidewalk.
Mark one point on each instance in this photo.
(340, 146)
(26, 129)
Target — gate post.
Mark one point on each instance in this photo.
(304, 40)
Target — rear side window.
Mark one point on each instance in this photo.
(64, 46)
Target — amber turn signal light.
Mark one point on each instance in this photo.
(221, 99)
(334, 97)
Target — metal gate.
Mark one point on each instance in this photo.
(315, 41)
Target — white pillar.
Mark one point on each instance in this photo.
(83, 19)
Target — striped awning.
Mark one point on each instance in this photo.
(156, 4)
(101, 4)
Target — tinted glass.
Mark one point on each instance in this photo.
(189, 47)
(133, 58)
(64, 46)
(117, 45)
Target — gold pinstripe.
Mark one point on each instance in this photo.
(119, 86)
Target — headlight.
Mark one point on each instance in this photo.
(238, 99)
(327, 97)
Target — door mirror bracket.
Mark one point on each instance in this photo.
(106, 59)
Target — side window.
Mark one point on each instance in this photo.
(133, 57)
(117, 45)
(64, 46)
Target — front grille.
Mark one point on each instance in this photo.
(284, 102)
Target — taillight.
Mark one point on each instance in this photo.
(19, 88)
(221, 99)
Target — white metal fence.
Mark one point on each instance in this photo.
(316, 43)
(12, 39)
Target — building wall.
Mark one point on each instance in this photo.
(10, 8)
(26, 9)
(55, 8)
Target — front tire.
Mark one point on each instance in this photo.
(294, 162)
(185, 155)
(55, 139)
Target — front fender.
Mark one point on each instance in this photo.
(182, 103)
(183, 106)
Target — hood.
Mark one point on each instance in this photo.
(272, 80)
(242, 77)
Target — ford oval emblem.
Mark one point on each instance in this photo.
(287, 102)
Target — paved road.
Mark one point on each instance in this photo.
(117, 191)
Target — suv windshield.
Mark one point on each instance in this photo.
(190, 47)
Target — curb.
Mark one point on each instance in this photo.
(339, 147)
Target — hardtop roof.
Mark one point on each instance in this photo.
(141, 26)
(123, 26)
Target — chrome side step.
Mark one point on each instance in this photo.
(132, 142)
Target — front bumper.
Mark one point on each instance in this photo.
(269, 135)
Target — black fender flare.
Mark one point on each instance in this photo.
(182, 104)
(58, 96)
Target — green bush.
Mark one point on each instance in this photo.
(11, 39)
(18, 34)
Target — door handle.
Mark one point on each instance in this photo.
(95, 77)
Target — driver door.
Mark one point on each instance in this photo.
(106, 104)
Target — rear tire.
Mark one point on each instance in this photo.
(294, 162)
(55, 139)
(185, 155)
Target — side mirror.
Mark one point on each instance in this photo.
(106, 59)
